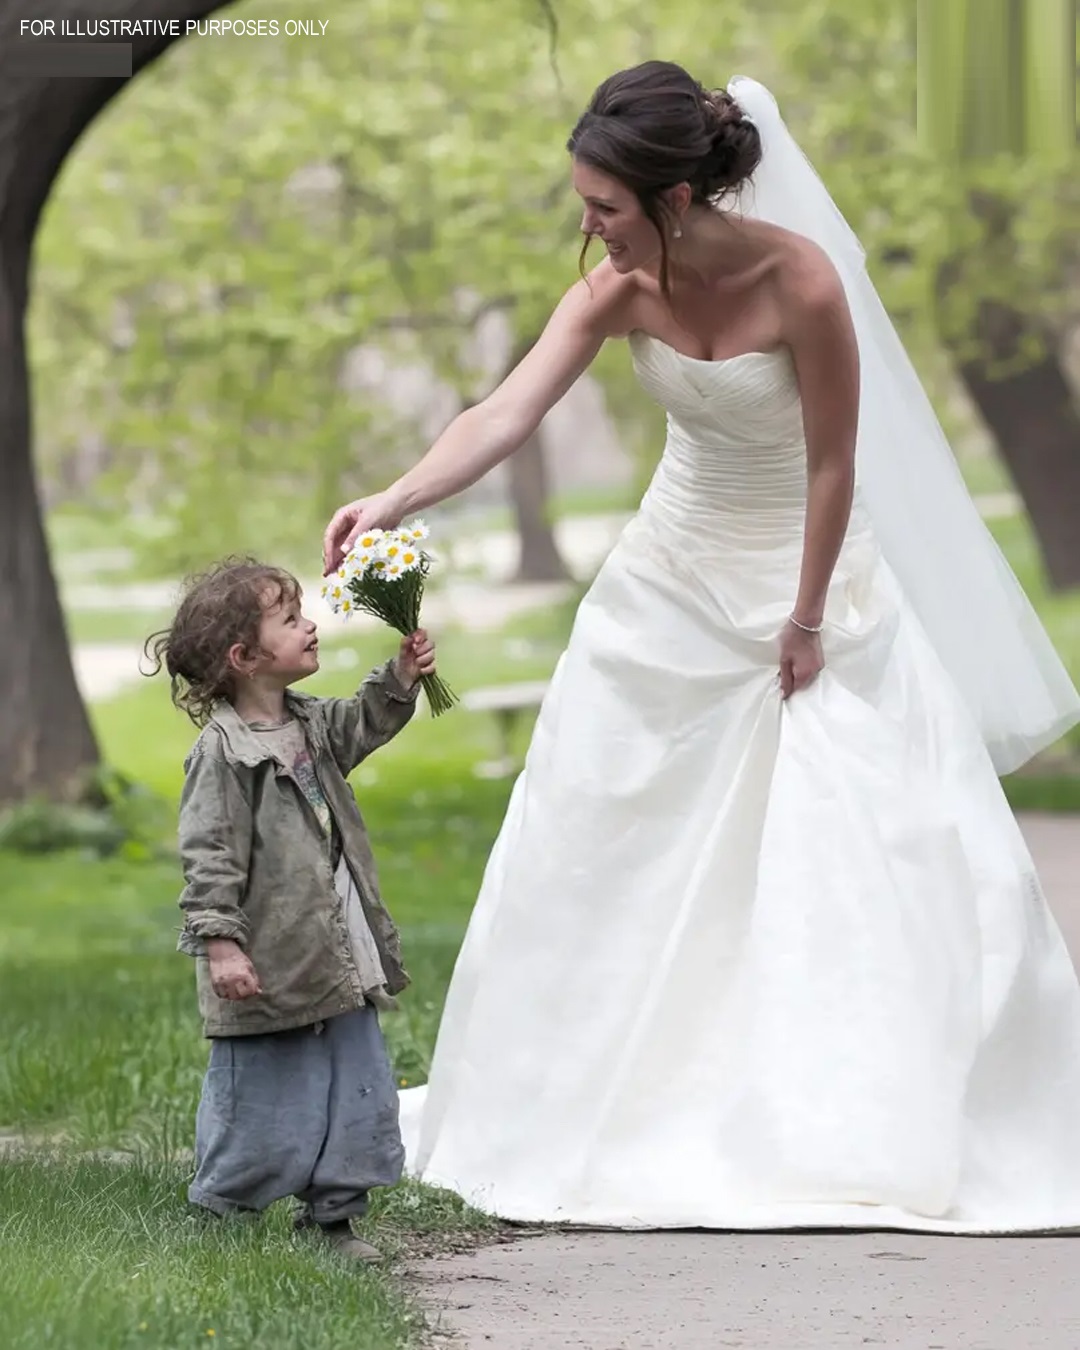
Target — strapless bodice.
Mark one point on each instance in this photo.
(747, 402)
(734, 462)
(735, 439)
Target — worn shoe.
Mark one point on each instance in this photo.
(344, 1241)
(340, 1237)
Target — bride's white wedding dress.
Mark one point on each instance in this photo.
(741, 963)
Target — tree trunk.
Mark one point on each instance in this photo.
(46, 743)
(45, 736)
(538, 553)
(1036, 425)
(1024, 399)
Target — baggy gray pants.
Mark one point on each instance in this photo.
(311, 1113)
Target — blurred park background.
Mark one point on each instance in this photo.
(267, 274)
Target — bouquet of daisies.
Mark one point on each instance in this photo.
(384, 575)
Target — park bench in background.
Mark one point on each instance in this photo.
(506, 703)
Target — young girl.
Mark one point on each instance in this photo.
(294, 951)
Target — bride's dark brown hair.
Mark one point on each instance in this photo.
(654, 126)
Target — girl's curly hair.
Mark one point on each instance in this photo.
(219, 608)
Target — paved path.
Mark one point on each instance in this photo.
(104, 669)
(690, 1291)
(710, 1291)
(474, 598)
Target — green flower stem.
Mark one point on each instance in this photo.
(396, 602)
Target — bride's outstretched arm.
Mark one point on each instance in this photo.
(487, 433)
(822, 338)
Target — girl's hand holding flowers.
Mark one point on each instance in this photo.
(415, 658)
(383, 574)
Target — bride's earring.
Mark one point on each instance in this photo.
(678, 232)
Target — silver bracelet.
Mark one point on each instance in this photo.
(805, 626)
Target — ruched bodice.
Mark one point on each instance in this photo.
(733, 472)
(735, 444)
(741, 403)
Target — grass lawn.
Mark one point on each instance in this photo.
(100, 1048)
(106, 1257)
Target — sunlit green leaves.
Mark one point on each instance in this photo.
(250, 211)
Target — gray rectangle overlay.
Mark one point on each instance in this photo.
(45, 59)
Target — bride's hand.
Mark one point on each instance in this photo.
(381, 512)
(801, 659)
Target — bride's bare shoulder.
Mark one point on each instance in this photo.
(611, 297)
(804, 275)
(811, 305)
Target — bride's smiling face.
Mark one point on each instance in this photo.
(613, 214)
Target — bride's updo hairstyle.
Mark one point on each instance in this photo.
(654, 126)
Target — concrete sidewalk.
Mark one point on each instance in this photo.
(694, 1291)
(710, 1291)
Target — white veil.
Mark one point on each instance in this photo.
(977, 617)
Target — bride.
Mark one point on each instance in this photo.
(759, 944)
